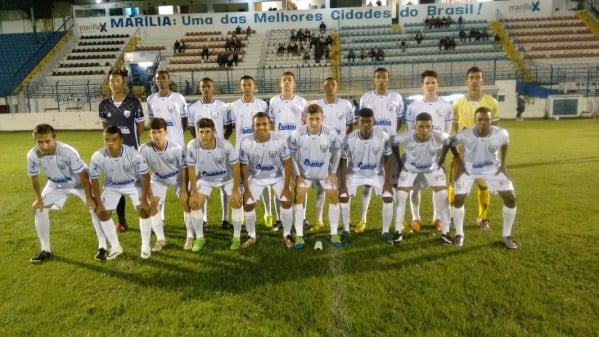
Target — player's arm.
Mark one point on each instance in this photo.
(502, 156)
(287, 171)
(146, 193)
(141, 127)
(334, 164)
(387, 184)
(184, 189)
(96, 195)
(37, 190)
(245, 178)
(89, 201)
(342, 178)
(236, 195)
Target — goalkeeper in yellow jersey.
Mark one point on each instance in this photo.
(463, 115)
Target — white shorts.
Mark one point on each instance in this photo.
(111, 195)
(159, 189)
(496, 182)
(376, 182)
(257, 186)
(206, 188)
(324, 183)
(434, 178)
(54, 197)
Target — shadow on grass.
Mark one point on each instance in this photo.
(268, 264)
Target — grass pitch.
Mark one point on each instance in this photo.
(547, 287)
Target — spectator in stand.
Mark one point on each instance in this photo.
(351, 55)
(322, 27)
(418, 37)
(280, 50)
(182, 47)
(380, 55)
(372, 54)
(460, 22)
(235, 57)
(428, 22)
(293, 36)
(306, 56)
(362, 54)
(205, 53)
(404, 45)
(248, 31)
(238, 29)
(379, 3)
(222, 59)
(462, 35)
(452, 43)
(176, 46)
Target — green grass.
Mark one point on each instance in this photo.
(548, 287)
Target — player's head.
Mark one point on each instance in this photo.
(158, 129)
(261, 125)
(113, 139)
(287, 82)
(206, 130)
(474, 79)
(248, 85)
(314, 117)
(44, 137)
(163, 80)
(117, 79)
(207, 87)
(423, 125)
(429, 81)
(381, 79)
(365, 122)
(330, 86)
(483, 117)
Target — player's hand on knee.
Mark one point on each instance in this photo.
(37, 205)
(236, 199)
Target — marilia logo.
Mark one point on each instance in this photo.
(524, 7)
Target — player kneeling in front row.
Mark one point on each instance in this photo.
(485, 150)
(167, 162)
(265, 161)
(212, 163)
(125, 173)
(363, 152)
(424, 154)
(315, 149)
(67, 174)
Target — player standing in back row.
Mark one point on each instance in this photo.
(388, 108)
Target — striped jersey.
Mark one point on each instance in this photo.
(463, 110)
(481, 154)
(387, 109)
(439, 109)
(216, 111)
(165, 164)
(125, 115)
(264, 159)
(241, 114)
(118, 171)
(313, 153)
(171, 108)
(286, 115)
(365, 156)
(421, 156)
(212, 165)
(62, 167)
(337, 115)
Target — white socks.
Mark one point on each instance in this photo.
(250, 223)
(458, 220)
(344, 214)
(334, 218)
(197, 220)
(110, 232)
(158, 226)
(145, 230)
(42, 227)
(287, 220)
(188, 224)
(509, 215)
(400, 208)
(236, 218)
(415, 204)
(365, 201)
(298, 213)
(387, 216)
(441, 207)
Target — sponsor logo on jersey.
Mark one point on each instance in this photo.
(420, 166)
(482, 164)
(383, 122)
(309, 163)
(261, 167)
(127, 113)
(245, 131)
(366, 166)
(213, 173)
(286, 127)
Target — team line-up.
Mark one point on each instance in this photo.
(283, 147)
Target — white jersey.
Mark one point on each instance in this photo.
(313, 153)
(165, 164)
(212, 165)
(264, 159)
(216, 111)
(171, 108)
(337, 115)
(241, 114)
(62, 167)
(118, 171)
(387, 109)
(481, 154)
(421, 156)
(365, 156)
(440, 110)
(287, 115)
